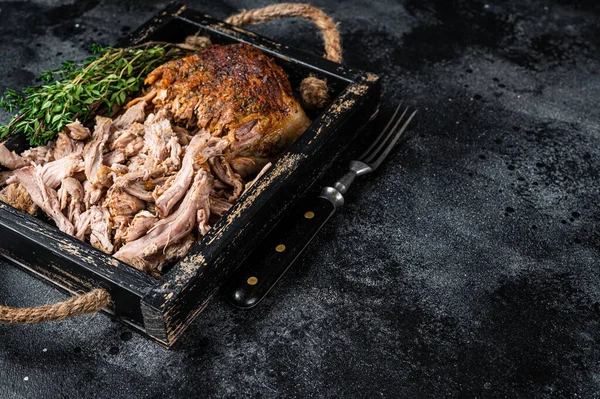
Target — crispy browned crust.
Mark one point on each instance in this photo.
(231, 85)
(16, 196)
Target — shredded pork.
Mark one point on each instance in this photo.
(147, 184)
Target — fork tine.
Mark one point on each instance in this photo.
(383, 133)
(387, 150)
(371, 156)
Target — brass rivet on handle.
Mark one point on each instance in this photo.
(280, 248)
(309, 215)
(252, 280)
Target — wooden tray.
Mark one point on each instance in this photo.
(163, 309)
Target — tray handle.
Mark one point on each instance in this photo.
(90, 302)
(314, 90)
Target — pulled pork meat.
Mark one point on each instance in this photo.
(147, 184)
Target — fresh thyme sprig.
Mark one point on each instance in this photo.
(78, 91)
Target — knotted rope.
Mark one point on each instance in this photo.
(313, 90)
(91, 302)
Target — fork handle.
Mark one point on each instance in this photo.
(269, 261)
(344, 183)
(357, 168)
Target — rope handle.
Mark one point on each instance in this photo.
(90, 302)
(314, 91)
(331, 35)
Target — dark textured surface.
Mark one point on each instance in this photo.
(466, 267)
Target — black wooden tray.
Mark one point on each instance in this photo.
(163, 309)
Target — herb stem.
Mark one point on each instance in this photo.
(80, 90)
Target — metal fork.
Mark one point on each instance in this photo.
(275, 254)
(372, 158)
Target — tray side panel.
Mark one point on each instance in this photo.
(305, 59)
(69, 264)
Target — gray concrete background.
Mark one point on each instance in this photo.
(467, 267)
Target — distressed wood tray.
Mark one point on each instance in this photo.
(162, 309)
